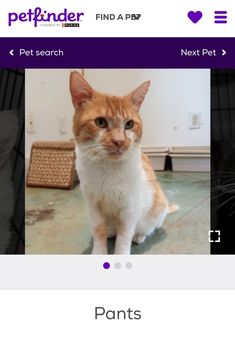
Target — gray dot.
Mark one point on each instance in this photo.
(129, 265)
(117, 265)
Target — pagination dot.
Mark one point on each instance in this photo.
(118, 265)
(129, 265)
(106, 265)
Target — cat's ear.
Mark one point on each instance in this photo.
(80, 90)
(138, 95)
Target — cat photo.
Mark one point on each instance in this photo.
(8, 132)
(122, 195)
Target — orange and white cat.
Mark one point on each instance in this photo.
(118, 183)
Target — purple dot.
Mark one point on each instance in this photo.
(106, 265)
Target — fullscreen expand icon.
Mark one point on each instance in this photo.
(214, 236)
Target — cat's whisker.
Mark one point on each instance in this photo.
(86, 146)
(219, 185)
(222, 192)
(98, 156)
(219, 195)
(224, 203)
(92, 159)
(92, 162)
(91, 151)
(223, 182)
(227, 180)
(234, 209)
(223, 185)
(223, 175)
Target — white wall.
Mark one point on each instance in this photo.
(173, 95)
(47, 98)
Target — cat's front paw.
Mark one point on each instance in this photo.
(99, 251)
(139, 238)
(122, 251)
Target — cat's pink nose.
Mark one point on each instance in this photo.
(118, 143)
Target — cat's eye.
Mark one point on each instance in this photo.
(101, 122)
(129, 124)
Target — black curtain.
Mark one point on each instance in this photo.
(12, 97)
(223, 161)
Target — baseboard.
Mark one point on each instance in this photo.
(184, 158)
(157, 155)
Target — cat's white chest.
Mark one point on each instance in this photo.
(113, 186)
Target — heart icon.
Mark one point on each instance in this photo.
(195, 16)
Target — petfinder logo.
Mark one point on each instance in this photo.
(39, 16)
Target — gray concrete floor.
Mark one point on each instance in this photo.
(57, 223)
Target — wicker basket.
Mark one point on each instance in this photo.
(52, 164)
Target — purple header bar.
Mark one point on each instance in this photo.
(117, 52)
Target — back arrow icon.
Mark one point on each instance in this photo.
(224, 52)
(11, 52)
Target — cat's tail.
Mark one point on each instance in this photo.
(173, 208)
